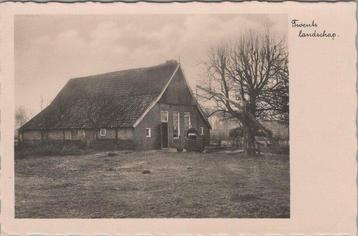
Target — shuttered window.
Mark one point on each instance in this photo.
(176, 124)
(148, 132)
(187, 122)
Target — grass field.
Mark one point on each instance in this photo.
(185, 185)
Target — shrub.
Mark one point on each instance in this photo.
(261, 133)
(280, 149)
(236, 133)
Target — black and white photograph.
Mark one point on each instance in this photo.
(151, 116)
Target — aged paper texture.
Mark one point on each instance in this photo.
(195, 118)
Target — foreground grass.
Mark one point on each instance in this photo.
(185, 185)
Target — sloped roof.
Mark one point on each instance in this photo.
(115, 99)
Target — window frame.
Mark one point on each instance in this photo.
(178, 124)
(166, 115)
(148, 134)
(201, 129)
(101, 133)
(189, 123)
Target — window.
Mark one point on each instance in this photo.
(201, 130)
(148, 132)
(102, 132)
(164, 116)
(176, 125)
(187, 122)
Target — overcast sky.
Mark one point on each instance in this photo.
(49, 50)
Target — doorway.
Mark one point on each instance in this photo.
(164, 134)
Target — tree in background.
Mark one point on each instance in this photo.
(248, 81)
(21, 117)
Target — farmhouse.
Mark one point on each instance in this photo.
(144, 108)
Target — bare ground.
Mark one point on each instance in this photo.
(185, 185)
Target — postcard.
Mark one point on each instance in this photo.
(178, 118)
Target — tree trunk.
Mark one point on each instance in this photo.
(249, 139)
(249, 130)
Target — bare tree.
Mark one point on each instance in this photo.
(248, 80)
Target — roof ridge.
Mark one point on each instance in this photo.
(125, 70)
(158, 97)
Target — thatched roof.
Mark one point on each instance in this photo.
(116, 99)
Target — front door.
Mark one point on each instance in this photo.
(164, 135)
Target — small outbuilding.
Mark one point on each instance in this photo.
(143, 108)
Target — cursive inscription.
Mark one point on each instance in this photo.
(311, 30)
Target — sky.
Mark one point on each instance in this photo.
(51, 49)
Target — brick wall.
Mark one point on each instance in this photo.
(152, 121)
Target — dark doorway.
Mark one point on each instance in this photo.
(164, 132)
